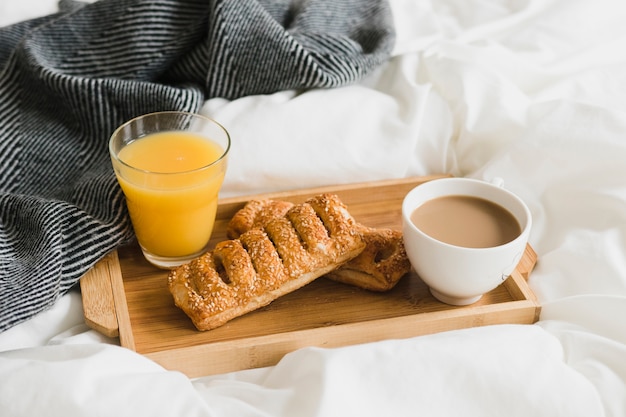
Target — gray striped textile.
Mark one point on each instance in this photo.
(69, 79)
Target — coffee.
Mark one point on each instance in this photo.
(466, 221)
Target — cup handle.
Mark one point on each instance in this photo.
(498, 182)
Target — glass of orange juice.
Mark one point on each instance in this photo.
(170, 166)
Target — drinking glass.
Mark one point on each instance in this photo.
(171, 166)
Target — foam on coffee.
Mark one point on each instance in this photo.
(466, 221)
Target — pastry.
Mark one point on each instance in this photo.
(378, 268)
(381, 264)
(264, 263)
(256, 213)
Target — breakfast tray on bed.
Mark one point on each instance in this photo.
(125, 296)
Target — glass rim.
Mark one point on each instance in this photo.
(184, 113)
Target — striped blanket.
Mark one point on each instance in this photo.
(69, 79)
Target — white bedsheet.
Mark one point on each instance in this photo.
(530, 91)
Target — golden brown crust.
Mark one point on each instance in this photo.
(241, 275)
(381, 264)
(378, 268)
(256, 213)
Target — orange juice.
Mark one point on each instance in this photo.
(171, 182)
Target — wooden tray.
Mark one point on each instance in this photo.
(124, 295)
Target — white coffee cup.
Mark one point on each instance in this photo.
(455, 274)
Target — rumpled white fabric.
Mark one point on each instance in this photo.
(530, 91)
